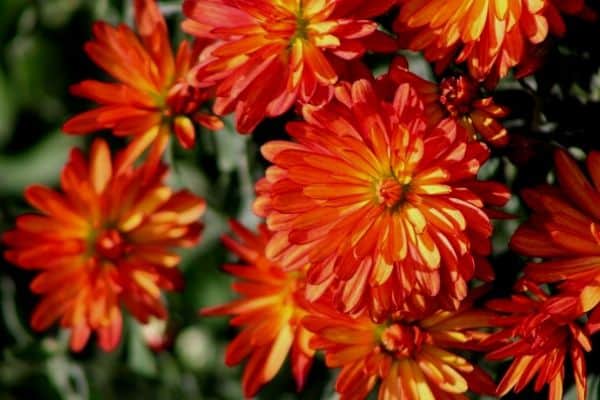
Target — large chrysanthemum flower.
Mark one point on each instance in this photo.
(153, 96)
(105, 240)
(411, 358)
(457, 97)
(377, 203)
(539, 344)
(269, 310)
(271, 53)
(564, 232)
(491, 36)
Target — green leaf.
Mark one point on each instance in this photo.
(36, 73)
(7, 109)
(10, 312)
(231, 147)
(56, 13)
(140, 358)
(9, 10)
(68, 378)
(40, 164)
(593, 389)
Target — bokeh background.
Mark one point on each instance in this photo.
(41, 55)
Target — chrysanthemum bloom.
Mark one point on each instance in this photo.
(412, 359)
(490, 36)
(369, 194)
(272, 53)
(269, 310)
(456, 97)
(153, 96)
(564, 232)
(539, 344)
(106, 240)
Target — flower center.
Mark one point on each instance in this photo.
(300, 24)
(403, 340)
(110, 245)
(391, 192)
(301, 27)
(457, 95)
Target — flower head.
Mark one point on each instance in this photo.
(269, 310)
(271, 53)
(378, 203)
(105, 240)
(457, 97)
(490, 36)
(153, 96)
(539, 343)
(563, 232)
(411, 358)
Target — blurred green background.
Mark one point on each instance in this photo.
(41, 55)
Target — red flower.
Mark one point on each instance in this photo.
(456, 97)
(269, 310)
(378, 203)
(153, 96)
(490, 36)
(411, 357)
(539, 344)
(105, 240)
(271, 53)
(563, 232)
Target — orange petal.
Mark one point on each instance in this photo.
(100, 165)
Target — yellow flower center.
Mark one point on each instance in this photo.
(301, 31)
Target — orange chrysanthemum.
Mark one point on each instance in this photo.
(271, 53)
(153, 97)
(539, 343)
(106, 240)
(377, 203)
(270, 311)
(411, 357)
(456, 97)
(564, 231)
(491, 36)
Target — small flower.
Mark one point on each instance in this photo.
(490, 36)
(269, 54)
(411, 358)
(153, 96)
(269, 310)
(457, 97)
(106, 240)
(377, 203)
(539, 344)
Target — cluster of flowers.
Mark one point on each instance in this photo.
(377, 227)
